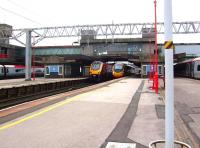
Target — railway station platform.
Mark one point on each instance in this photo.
(9, 83)
(15, 91)
(122, 112)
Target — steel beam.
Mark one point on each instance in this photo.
(104, 30)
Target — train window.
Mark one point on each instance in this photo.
(47, 71)
(60, 70)
(38, 70)
(19, 70)
(198, 68)
(118, 67)
(7, 70)
(2, 70)
(95, 66)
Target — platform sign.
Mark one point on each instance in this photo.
(54, 68)
(120, 145)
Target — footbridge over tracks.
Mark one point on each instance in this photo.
(126, 30)
(103, 30)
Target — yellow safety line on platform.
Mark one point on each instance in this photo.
(40, 113)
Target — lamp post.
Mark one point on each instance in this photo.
(156, 51)
(169, 75)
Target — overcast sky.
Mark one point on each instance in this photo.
(42, 13)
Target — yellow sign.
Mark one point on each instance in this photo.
(169, 45)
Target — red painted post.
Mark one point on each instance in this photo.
(156, 51)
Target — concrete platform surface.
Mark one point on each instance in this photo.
(85, 120)
(21, 82)
(147, 126)
(125, 113)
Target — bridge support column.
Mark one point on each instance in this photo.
(28, 56)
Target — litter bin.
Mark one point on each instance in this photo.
(161, 144)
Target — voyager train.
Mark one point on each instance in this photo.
(188, 68)
(100, 71)
(17, 71)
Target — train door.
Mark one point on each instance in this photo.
(1, 71)
(4, 71)
(188, 71)
(192, 69)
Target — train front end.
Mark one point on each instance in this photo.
(118, 70)
(96, 70)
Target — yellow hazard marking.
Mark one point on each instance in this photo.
(169, 44)
(41, 112)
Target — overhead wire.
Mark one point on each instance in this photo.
(27, 10)
(19, 15)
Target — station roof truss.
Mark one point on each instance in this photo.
(103, 30)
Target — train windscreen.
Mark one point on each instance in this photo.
(96, 66)
(118, 67)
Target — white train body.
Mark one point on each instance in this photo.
(8, 71)
(188, 68)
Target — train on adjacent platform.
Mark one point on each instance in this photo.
(189, 68)
(18, 71)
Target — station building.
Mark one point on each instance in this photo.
(74, 61)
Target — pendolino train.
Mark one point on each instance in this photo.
(119, 70)
(188, 68)
(18, 71)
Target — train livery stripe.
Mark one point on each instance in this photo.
(169, 44)
(40, 112)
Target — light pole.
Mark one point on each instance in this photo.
(156, 51)
(169, 75)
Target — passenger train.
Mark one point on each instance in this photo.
(189, 68)
(100, 71)
(17, 71)
(103, 71)
(121, 69)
